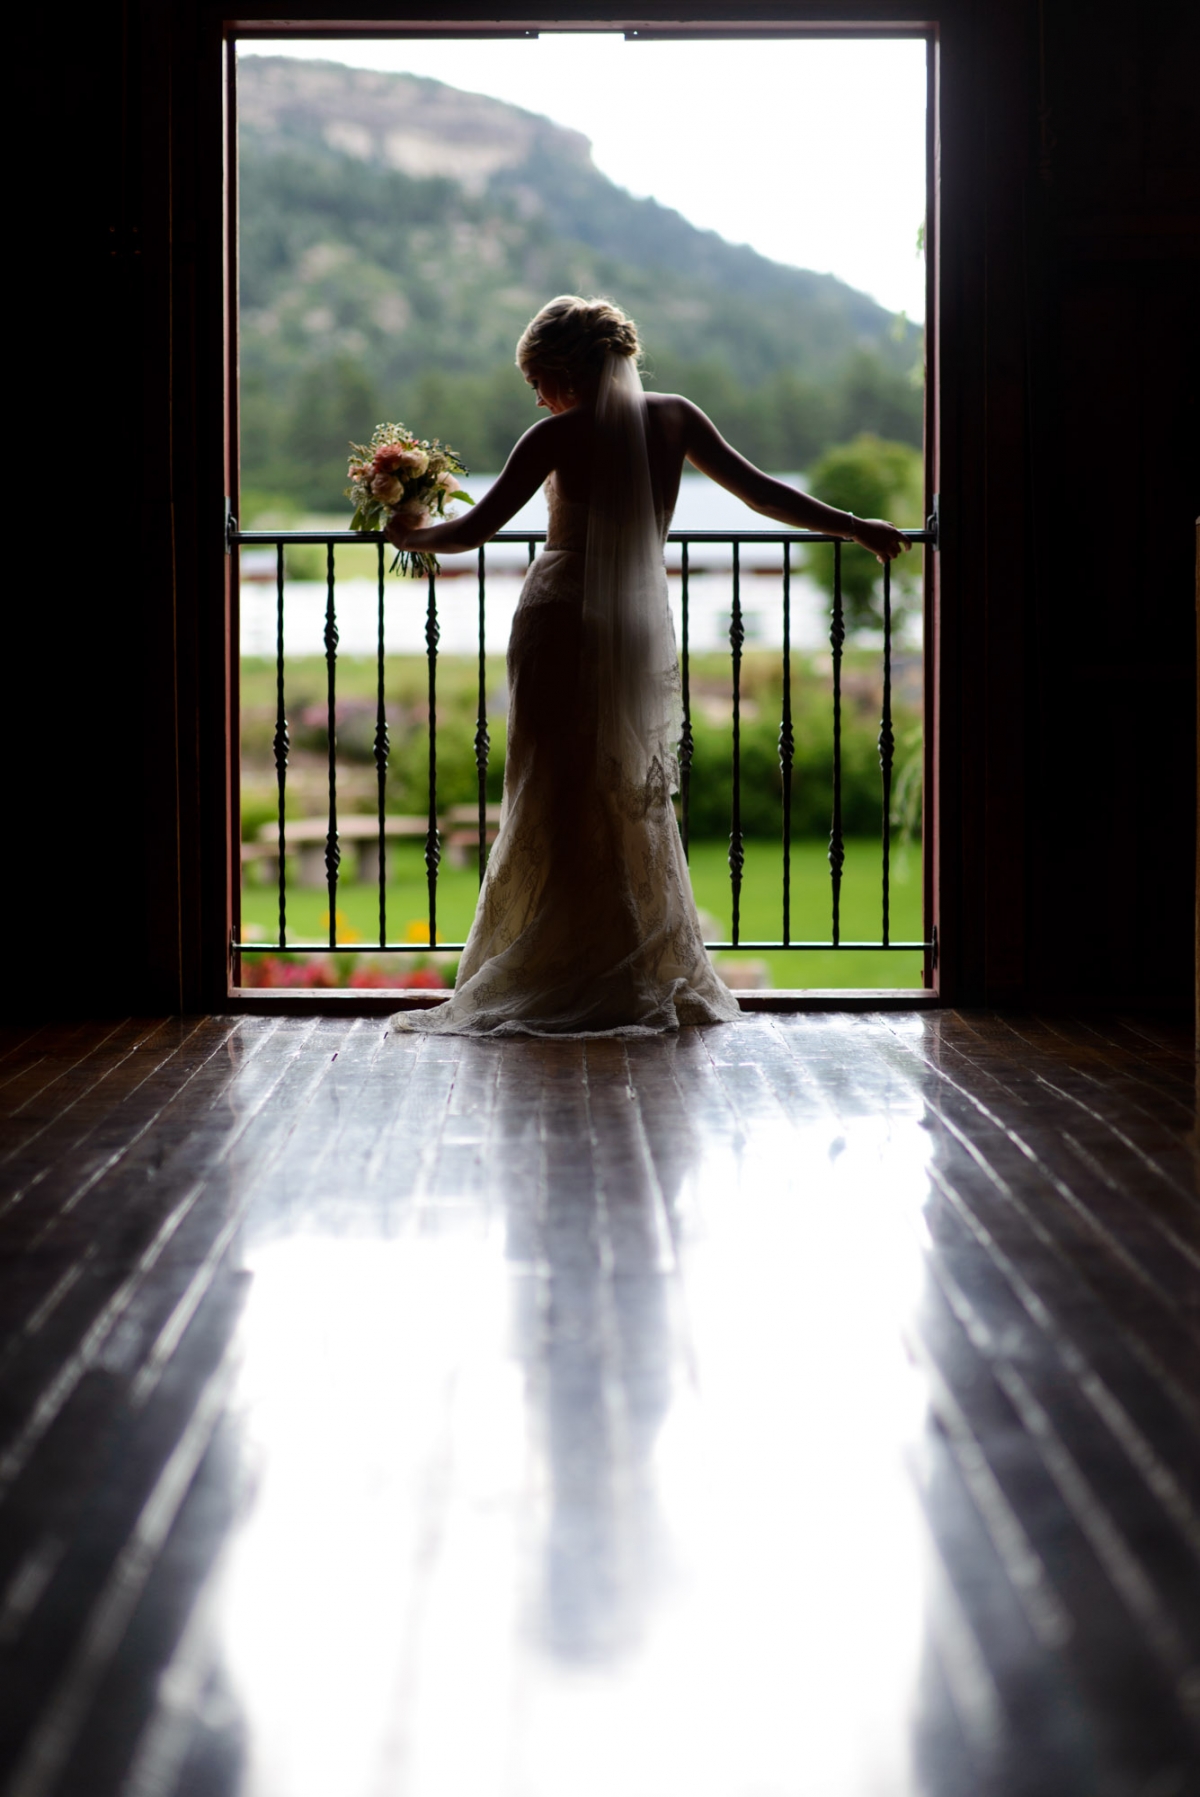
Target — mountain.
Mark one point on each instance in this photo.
(396, 234)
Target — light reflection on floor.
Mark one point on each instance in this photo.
(575, 1529)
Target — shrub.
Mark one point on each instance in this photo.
(762, 781)
(873, 479)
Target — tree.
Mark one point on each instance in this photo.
(873, 479)
(872, 396)
(335, 404)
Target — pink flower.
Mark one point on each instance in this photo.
(387, 488)
(391, 456)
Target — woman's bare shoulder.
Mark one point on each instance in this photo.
(673, 416)
(670, 404)
(538, 447)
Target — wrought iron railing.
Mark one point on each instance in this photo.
(686, 540)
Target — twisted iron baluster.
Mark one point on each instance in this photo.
(282, 743)
(787, 743)
(433, 853)
(737, 855)
(887, 747)
(333, 853)
(381, 763)
(686, 744)
(482, 740)
(837, 846)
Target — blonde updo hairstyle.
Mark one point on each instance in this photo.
(570, 338)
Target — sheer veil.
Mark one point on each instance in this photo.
(628, 636)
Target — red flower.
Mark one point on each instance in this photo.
(426, 979)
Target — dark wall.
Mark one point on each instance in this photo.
(1068, 403)
(1114, 232)
(83, 666)
(1070, 179)
(118, 702)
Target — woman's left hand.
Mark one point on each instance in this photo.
(882, 539)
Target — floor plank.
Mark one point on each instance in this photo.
(802, 1408)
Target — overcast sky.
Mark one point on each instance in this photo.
(812, 151)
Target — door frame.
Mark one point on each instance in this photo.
(218, 821)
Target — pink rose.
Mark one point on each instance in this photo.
(413, 461)
(387, 488)
(390, 457)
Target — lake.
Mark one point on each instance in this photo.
(702, 506)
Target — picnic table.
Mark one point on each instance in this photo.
(458, 829)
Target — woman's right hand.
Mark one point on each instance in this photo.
(882, 539)
(403, 524)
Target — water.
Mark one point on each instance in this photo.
(702, 506)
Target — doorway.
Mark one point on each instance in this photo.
(369, 771)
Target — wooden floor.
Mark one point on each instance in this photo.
(802, 1408)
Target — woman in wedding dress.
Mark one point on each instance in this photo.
(586, 923)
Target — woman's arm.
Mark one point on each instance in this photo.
(527, 467)
(707, 450)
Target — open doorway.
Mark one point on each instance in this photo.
(404, 205)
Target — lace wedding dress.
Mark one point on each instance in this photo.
(586, 923)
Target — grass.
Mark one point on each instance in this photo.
(762, 910)
(407, 904)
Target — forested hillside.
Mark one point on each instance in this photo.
(396, 234)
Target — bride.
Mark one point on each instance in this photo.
(586, 923)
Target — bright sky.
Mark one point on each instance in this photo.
(810, 150)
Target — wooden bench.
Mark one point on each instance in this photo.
(460, 831)
(306, 840)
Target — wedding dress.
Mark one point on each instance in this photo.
(586, 923)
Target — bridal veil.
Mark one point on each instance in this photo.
(628, 637)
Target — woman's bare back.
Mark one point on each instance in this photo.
(666, 446)
(676, 432)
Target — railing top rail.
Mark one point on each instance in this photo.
(774, 536)
(743, 944)
(266, 537)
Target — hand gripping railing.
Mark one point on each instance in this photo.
(686, 539)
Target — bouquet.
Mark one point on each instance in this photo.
(399, 475)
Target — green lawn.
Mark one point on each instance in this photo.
(761, 914)
(762, 909)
